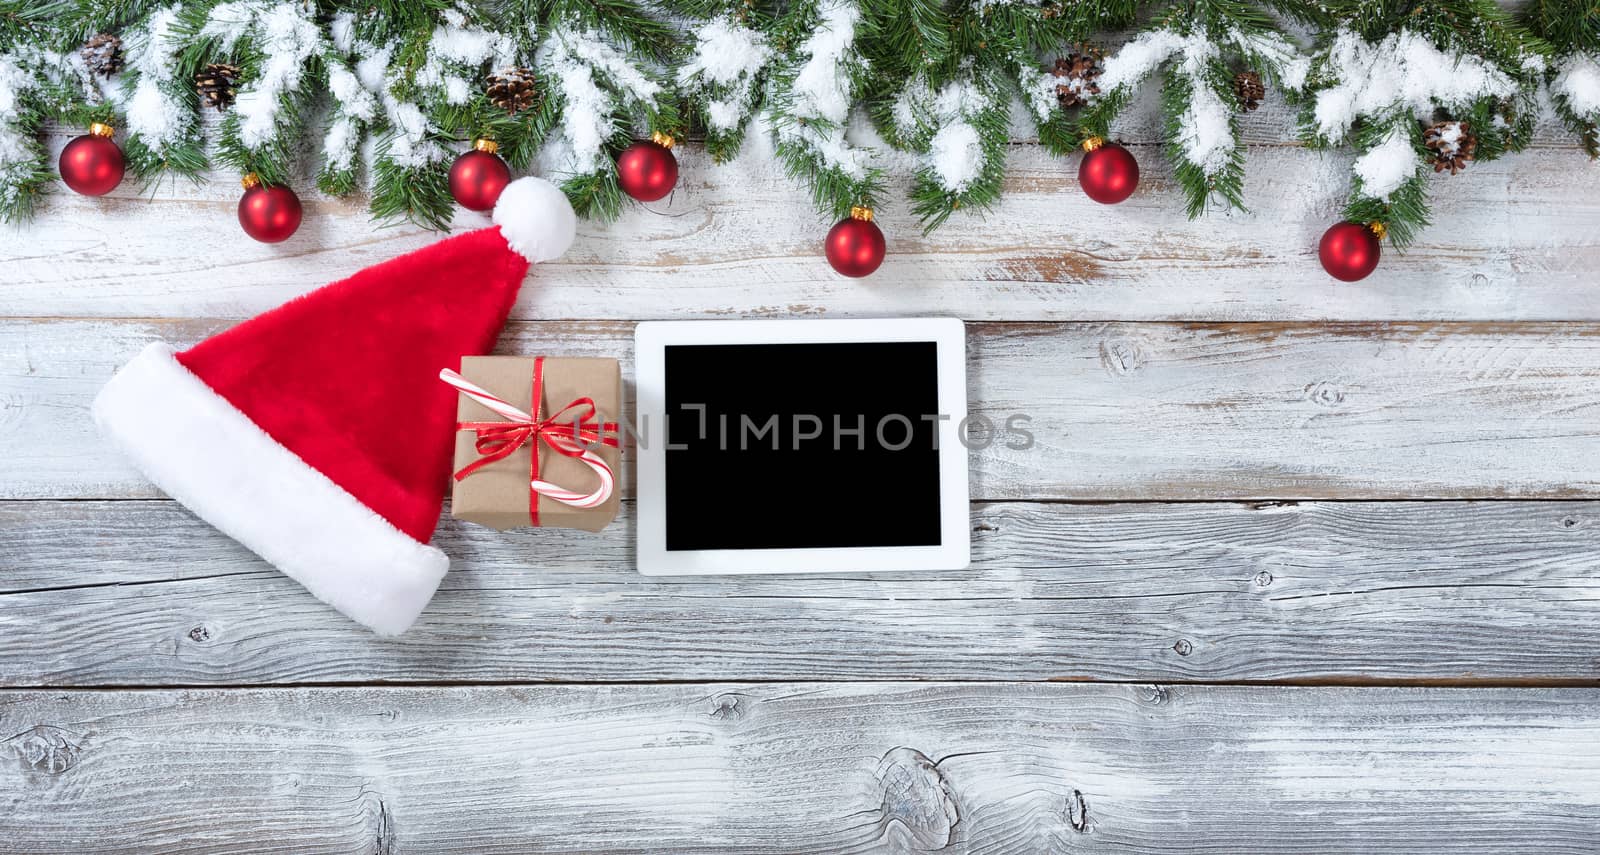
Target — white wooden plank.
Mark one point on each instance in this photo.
(1119, 411)
(1513, 239)
(802, 768)
(142, 593)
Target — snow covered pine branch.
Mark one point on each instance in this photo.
(848, 92)
(1416, 98)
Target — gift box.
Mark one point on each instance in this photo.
(537, 441)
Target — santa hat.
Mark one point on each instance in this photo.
(318, 434)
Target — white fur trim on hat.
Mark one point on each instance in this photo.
(208, 455)
(536, 219)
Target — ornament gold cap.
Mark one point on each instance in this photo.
(485, 144)
(1379, 229)
(250, 181)
(101, 129)
(663, 140)
(861, 212)
(1092, 143)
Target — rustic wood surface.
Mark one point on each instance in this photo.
(142, 593)
(1118, 410)
(809, 768)
(1217, 607)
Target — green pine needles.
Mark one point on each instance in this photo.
(1387, 74)
(1572, 30)
(380, 96)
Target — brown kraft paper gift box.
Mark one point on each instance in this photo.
(497, 494)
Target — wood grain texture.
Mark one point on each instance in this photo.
(1118, 410)
(1171, 360)
(801, 768)
(1514, 239)
(142, 593)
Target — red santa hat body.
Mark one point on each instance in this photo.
(318, 434)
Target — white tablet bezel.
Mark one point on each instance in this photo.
(954, 551)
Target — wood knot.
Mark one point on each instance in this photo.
(200, 634)
(47, 748)
(1262, 579)
(1571, 522)
(917, 804)
(1324, 394)
(1078, 812)
(1122, 355)
(1182, 647)
(1155, 694)
(730, 706)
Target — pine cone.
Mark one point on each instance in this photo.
(1452, 144)
(1247, 86)
(512, 89)
(1078, 77)
(103, 54)
(214, 83)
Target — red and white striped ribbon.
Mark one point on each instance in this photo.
(568, 439)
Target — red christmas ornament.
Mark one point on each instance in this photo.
(855, 244)
(270, 213)
(1349, 251)
(478, 176)
(1108, 173)
(92, 164)
(647, 170)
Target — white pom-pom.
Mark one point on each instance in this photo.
(536, 219)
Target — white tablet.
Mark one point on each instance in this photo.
(801, 446)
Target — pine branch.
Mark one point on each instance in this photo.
(808, 101)
(1403, 216)
(899, 36)
(417, 193)
(521, 134)
(722, 75)
(595, 194)
(1195, 46)
(25, 168)
(934, 200)
(1568, 26)
(1054, 23)
(75, 21)
(165, 133)
(1572, 30)
(279, 50)
(960, 128)
(410, 75)
(606, 93)
(350, 115)
(1437, 47)
(1403, 210)
(1221, 173)
(627, 23)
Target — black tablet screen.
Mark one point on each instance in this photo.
(802, 446)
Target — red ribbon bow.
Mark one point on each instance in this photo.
(570, 431)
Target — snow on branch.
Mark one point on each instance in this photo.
(565, 84)
(1387, 166)
(22, 157)
(1404, 72)
(722, 73)
(809, 108)
(159, 114)
(598, 82)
